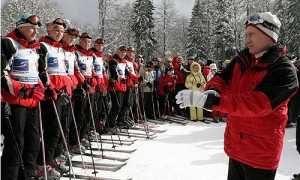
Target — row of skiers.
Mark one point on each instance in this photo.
(58, 92)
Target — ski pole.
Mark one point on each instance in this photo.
(7, 114)
(63, 136)
(117, 115)
(42, 139)
(92, 116)
(77, 134)
(106, 111)
(97, 113)
(146, 127)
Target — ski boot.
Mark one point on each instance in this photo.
(85, 142)
(75, 149)
(52, 174)
(60, 166)
(296, 176)
(216, 119)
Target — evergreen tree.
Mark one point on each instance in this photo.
(293, 26)
(143, 27)
(196, 32)
(224, 47)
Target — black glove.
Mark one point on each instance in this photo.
(111, 84)
(97, 88)
(149, 85)
(50, 93)
(86, 87)
(167, 90)
(63, 98)
(79, 92)
(211, 101)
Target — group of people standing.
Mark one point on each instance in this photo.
(51, 80)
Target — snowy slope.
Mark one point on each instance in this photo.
(193, 152)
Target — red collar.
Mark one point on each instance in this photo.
(83, 51)
(16, 35)
(50, 41)
(98, 53)
(71, 48)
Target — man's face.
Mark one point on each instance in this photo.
(130, 53)
(257, 41)
(29, 32)
(69, 39)
(56, 33)
(121, 53)
(99, 47)
(179, 60)
(85, 43)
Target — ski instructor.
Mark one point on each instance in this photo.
(254, 90)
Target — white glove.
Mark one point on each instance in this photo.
(188, 98)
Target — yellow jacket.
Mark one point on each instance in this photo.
(195, 78)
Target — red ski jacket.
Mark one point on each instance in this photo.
(256, 103)
(176, 66)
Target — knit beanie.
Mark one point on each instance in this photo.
(268, 23)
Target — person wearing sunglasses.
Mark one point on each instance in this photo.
(22, 90)
(253, 90)
(57, 91)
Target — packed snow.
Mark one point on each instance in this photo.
(193, 151)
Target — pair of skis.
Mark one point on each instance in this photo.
(174, 119)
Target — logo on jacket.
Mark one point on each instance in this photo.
(82, 67)
(53, 62)
(67, 64)
(20, 65)
(97, 67)
(120, 72)
(130, 69)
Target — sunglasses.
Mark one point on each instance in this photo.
(35, 20)
(257, 19)
(72, 32)
(86, 35)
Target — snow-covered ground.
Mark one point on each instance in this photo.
(193, 152)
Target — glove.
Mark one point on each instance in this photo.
(188, 98)
(86, 87)
(97, 87)
(149, 85)
(213, 98)
(38, 94)
(111, 84)
(167, 90)
(63, 98)
(79, 92)
(50, 93)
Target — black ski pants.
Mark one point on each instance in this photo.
(78, 107)
(241, 171)
(88, 109)
(24, 122)
(127, 103)
(117, 102)
(51, 129)
(148, 106)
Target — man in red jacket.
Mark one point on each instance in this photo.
(22, 89)
(254, 90)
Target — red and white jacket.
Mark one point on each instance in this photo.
(99, 69)
(22, 69)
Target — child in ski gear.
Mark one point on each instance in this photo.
(169, 90)
(254, 90)
(196, 82)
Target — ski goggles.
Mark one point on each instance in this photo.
(72, 32)
(35, 20)
(257, 19)
(60, 21)
(86, 35)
